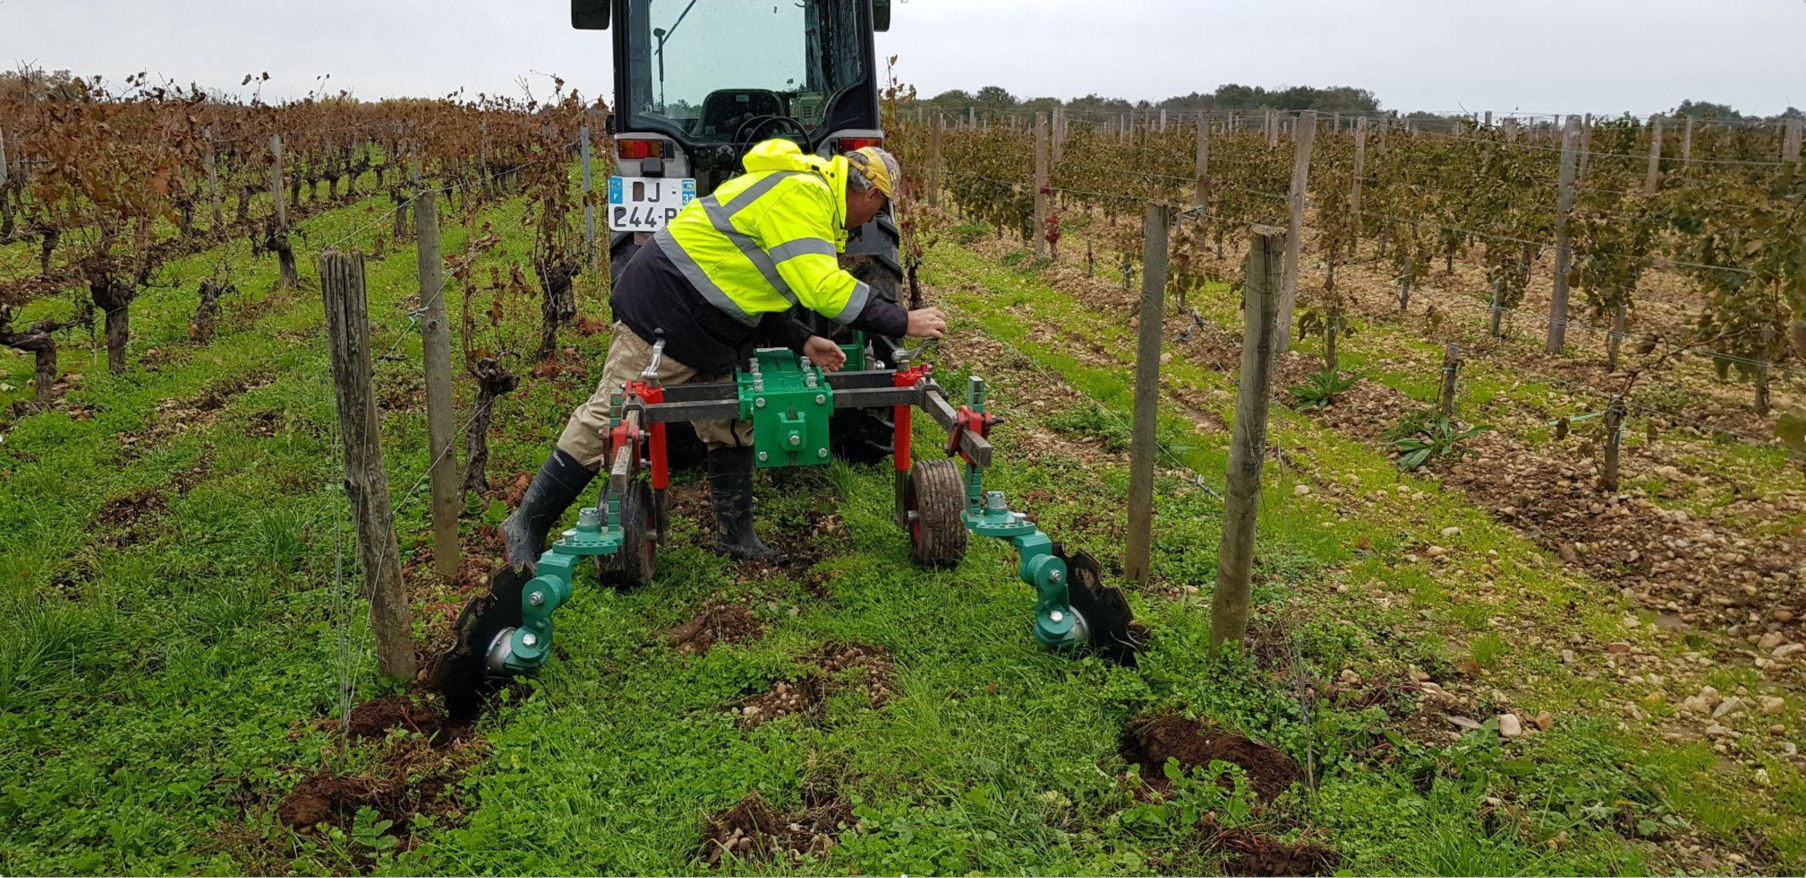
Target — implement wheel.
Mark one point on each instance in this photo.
(935, 504)
(631, 567)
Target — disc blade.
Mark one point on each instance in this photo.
(1114, 633)
(460, 671)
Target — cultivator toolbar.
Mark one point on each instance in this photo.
(790, 403)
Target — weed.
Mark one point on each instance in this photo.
(1322, 388)
(1436, 438)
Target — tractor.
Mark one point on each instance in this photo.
(695, 89)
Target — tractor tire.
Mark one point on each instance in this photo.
(936, 505)
(632, 566)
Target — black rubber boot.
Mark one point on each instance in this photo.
(561, 479)
(731, 495)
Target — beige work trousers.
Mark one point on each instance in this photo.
(585, 434)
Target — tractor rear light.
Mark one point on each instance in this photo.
(637, 149)
(854, 144)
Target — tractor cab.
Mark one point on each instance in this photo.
(699, 82)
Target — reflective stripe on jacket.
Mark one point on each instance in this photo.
(769, 239)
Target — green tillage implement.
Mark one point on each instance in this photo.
(789, 402)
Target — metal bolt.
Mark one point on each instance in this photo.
(795, 439)
(821, 399)
(589, 516)
(529, 639)
(994, 501)
(764, 456)
(759, 403)
(1055, 576)
(537, 599)
(821, 452)
(1056, 616)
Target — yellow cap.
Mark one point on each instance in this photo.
(878, 166)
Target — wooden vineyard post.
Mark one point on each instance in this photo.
(1040, 186)
(1790, 142)
(1586, 146)
(2, 156)
(1768, 344)
(367, 485)
(1360, 171)
(1163, 120)
(934, 169)
(1301, 177)
(1564, 249)
(971, 118)
(1330, 327)
(1201, 197)
(1451, 378)
(1058, 134)
(1497, 309)
(1655, 155)
(589, 207)
(1489, 118)
(207, 161)
(276, 184)
(435, 346)
(1687, 144)
(1615, 340)
(1614, 440)
(1248, 439)
(1142, 445)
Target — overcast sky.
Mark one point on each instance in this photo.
(1533, 56)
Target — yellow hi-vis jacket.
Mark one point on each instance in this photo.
(769, 239)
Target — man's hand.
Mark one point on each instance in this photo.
(824, 353)
(927, 323)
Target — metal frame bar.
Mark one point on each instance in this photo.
(872, 388)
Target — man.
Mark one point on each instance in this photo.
(718, 280)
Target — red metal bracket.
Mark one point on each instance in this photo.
(900, 415)
(652, 395)
(967, 419)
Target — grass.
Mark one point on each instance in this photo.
(165, 663)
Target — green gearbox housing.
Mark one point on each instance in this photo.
(789, 402)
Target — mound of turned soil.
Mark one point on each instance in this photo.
(836, 668)
(1150, 741)
(1252, 853)
(718, 623)
(751, 831)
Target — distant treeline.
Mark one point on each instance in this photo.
(1234, 97)
(1229, 97)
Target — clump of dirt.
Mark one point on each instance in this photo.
(328, 798)
(856, 667)
(412, 776)
(718, 623)
(837, 668)
(751, 831)
(784, 698)
(126, 519)
(377, 717)
(1252, 853)
(1150, 741)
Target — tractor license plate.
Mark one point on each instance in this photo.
(646, 204)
